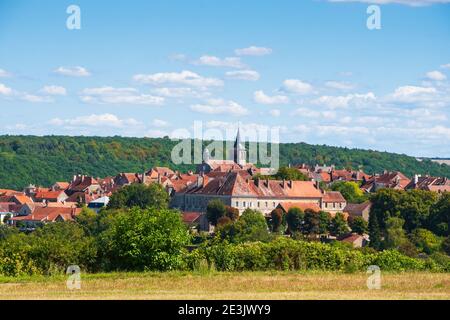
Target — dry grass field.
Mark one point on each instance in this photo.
(256, 285)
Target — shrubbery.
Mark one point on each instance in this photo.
(288, 254)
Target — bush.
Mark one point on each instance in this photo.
(426, 241)
(147, 239)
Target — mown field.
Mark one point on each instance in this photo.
(215, 285)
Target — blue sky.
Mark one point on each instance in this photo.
(312, 69)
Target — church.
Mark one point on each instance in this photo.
(237, 160)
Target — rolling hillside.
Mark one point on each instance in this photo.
(44, 160)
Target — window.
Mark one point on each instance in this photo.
(243, 204)
(237, 204)
(258, 204)
(267, 204)
(274, 204)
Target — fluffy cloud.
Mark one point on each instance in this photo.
(54, 90)
(179, 92)
(412, 94)
(334, 102)
(253, 51)
(112, 95)
(185, 77)
(96, 120)
(230, 62)
(345, 86)
(220, 106)
(261, 97)
(35, 98)
(243, 75)
(413, 3)
(436, 75)
(445, 66)
(73, 71)
(297, 86)
(4, 90)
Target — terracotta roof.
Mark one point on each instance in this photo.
(48, 195)
(8, 192)
(48, 214)
(22, 199)
(301, 205)
(191, 217)
(333, 196)
(240, 184)
(356, 209)
(352, 238)
(62, 185)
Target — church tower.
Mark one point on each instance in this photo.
(239, 152)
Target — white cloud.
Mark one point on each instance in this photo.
(220, 106)
(445, 66)
(436, 75)
(119, 96)
(159, 123)
(345, 86)
(243, 75)
(297, 86)
(4, 74)
(413, 3)
(185, 77)
(413, 94)
(73, 71)
(34, 98)
(4, 90)
(95, 120)
(54, 90)
(344, 101)
(253, 51)
(275, 112)
(230, 62)
(261, 97)
(179, 92)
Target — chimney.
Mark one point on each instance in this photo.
(257, 182)
(416, 179)
(290, 184)
(159, 178)
(284, 184)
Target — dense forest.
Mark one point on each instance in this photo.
(44, 160)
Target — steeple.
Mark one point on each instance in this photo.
(239, 152)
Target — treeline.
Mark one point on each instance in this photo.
(44, 160)
(150, 237)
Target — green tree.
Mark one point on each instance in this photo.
(374, 231)
(295, 218)
(251, 226)
(286, 173)
(358, 225)
(324, 222)
(215, 210)
(439, 218)
(232, 213)
(446, 246)
(339, 226)
(277, 219)
(140, 195)
(58, 245)
(145, 239)
(88, 220)
(350, 191)
(425, 241)
(311, 224)
(395, 236)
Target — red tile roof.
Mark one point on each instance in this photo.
(333, 196)
(301, 205)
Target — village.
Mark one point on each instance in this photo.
(235, 182)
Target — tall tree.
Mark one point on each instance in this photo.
(140, 195)
(215, 210)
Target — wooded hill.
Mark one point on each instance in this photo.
(44, 160)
